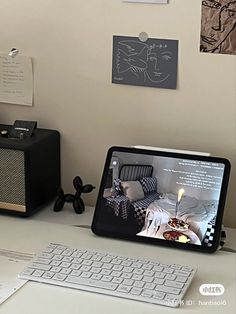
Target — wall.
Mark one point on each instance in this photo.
(71, 46)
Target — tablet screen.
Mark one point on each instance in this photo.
(165, 198)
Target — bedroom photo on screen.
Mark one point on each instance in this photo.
(161, 197)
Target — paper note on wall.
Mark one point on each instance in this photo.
(16, 80)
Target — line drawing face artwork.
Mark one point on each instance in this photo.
(151, 63)
(218, 26)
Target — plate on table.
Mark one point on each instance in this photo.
(178, 224)
(178, 236)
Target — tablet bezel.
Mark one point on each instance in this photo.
(102, 232)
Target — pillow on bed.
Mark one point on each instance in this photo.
(132, 190)
(149, 184)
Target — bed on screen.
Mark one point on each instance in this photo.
(136, 193)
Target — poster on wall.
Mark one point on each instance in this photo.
(152, 63)
(218, 26)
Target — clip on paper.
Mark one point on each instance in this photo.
(143, 36)
(13, 52)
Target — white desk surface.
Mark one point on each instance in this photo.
(69, 217)
(66, 216)
(32, 235)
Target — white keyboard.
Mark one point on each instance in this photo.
(100, 272)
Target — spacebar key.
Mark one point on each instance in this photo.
(91, 282)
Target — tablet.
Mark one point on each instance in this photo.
(165, 198)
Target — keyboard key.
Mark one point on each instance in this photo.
(67, 259)
(58, 251)
(126, 263)
(117, 280)
(159, 295)
(95, 270)
(176, 266)
(43, 261)
(117, 267)
(57, 257)
(65, 271)
(86, 274)
(137, 277)
(159, 275)
(55, 263)
(150, 286)
(138, 271)
(55, 269)
(77, 260)
(158, 268)
(181, 279)
(147, 293)
(106, 278)
(76, 272)
(116, 273)
(76, 254)
(128, 269)
(65, 264)
(181, 273)
(148, 279)
(38, 273)
(139, 284)
(158, 281)
(46, 255)
(97, 264)
(128, 282)
(96, 276)
(149, 273)
(85, 268)
(187, 268)
(168, 270)
(170, 277)
(126, 275)
(107, 266)
(87, 262)
(48, 250)
(40, 266)
(147, 266)
(86, 256)
(105, 271)
(123, 288)
(167, 289)
(75, 266)
(59, 277)
(174, 284)
(136, 291)
(137, 265)
(96, 258)
(116, 261)
(106, 259)
(91, 282)
(67, 252)
(48, 274)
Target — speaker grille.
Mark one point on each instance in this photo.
(12, 176)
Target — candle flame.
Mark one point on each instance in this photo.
(180, 194)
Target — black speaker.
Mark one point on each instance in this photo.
(29, 171)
